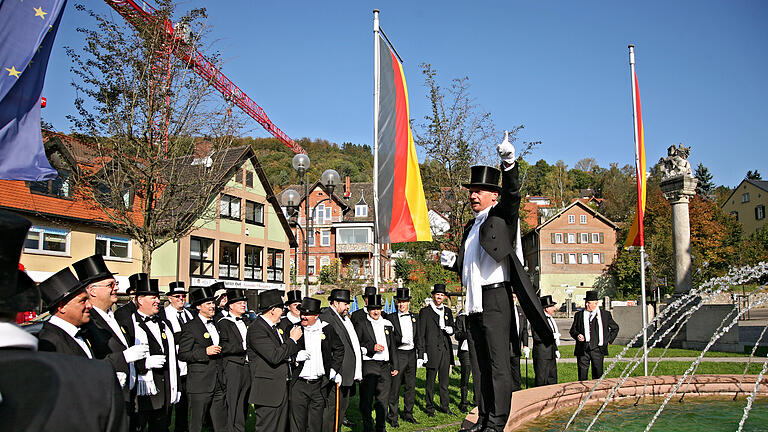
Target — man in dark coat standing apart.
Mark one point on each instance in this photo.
(269, 355)
(593, 331)
(491, 270)
(545, 355)
(435, 330)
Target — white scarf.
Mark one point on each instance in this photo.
(313, 339)
(145, 382)
(440, 311)
(599, 327)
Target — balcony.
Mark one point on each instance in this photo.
(354, 248)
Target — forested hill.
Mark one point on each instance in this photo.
(353, 160)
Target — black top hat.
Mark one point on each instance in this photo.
(218, 289)
(13, 281)
(60, 287)
(439, 288)
(176, 287)
(293, 296)
(591, 296)
(485, 177)
(141, 284)
(198, 295)
(546, 301)
(235, 295)
(375, 301)
(370, 290)
(92, 269)
(269, 299)
(310, 306)
(340, 295)
(403, 294)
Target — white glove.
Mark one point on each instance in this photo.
(419, 363)
(136, 352)
(526, 352)
(447, 258)
(557, 354)
(155, 361)
(121, 377)
(302, 355)
(337, 379)
(425, 358)
(448, 330)
(506, 150)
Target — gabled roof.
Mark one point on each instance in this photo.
(760, 184)
(585, 207)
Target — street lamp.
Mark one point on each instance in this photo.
(291, 199)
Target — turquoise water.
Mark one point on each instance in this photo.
(693, 414)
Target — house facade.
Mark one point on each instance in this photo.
(569, 251)
(747, 204)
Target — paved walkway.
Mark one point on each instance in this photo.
(678, 359)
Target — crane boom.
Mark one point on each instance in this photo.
(143, 14)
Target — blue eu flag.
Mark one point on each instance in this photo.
(27, 31)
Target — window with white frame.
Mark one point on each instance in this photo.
(571, 219)
(595, 258)
(311, 238)
(760, 212)
(585, 258)
(583, 219)
(361, 210)
(584, 237)
(595, 237)
(352, 235)
(325, 238)
(311, 265)
(745, 197)
(275, 265)
(558, 258)
(229, 207)
(324, 261)
(47, 241)
(113, 247)
(323, 215)
(572, 258)
(571, 237)
(558, 237)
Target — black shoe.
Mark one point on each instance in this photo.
(348, 423)
(430, 413)
(463, 408)
(477, 427)
(409, 418)
(393, 423)
(446, 411)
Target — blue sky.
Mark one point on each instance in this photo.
(558, 67)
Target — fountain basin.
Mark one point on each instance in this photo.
(539, 401)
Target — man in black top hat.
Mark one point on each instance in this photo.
(363, 311)
(317, 369)
(237, 376)
(176, 315)
(200, 348)
(435, 330)
(157, 384)
(593, 329)
(292, 317)
(406, 335)
(45, 390)
(110, 340)
(545, 354)
(490, 268)
(352, 365)
(70, 309)
(380, 363)
(269, 355)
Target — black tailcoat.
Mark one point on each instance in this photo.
(203, 370)
(333, 353)
(107, 345)
(432, 339)
(610, 331)
(52, 338)
(269, 361)
(348, 363)
(367, 339)
(160, 375)
(518, 339)
(395, 320)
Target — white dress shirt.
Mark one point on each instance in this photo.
(406, 326)
(381, 339)
(211, 329)
(355, 345)
(555, 330)
(72, 330)
(313, 336)
(293, 319)
(479, 268)
(154, 328)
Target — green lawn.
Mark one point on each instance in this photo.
(614, 350)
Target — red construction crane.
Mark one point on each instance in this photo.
(142, 15)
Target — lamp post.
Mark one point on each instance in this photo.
(291, 200)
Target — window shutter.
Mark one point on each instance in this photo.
(565, 258)
(602, 240)
(757, 216)
(578, 237)
(565, 238)
(554, 258)
(578, 258)
(553, 238)
(602, 261)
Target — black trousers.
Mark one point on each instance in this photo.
(545, 371)
(272, 418)
(237, 379)
(332, 419)
(156, 420)
(181, 408)
(517, 380)
(201, 404)
(490, 343)
(466, 371)
(307, 402)
(441, 371)
(593, 356)
(406, 377)
(374, 393)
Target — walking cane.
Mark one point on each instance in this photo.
(336, 423)
(526, 371)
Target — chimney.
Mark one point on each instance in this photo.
(347, 188)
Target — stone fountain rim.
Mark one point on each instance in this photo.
(535, 402)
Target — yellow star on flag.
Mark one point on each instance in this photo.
(39, 12)
(13, 72)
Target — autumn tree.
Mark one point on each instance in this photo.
(157, 133)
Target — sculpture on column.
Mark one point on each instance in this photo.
(676, 163)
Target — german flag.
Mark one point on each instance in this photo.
(401, 209)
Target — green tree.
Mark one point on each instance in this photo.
(754, 175)
(559, 186)
(705, 187)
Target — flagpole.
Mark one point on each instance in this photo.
(639, 209)
(376, 85)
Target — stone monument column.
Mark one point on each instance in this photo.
(678, 185)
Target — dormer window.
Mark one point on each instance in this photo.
(361, 208)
